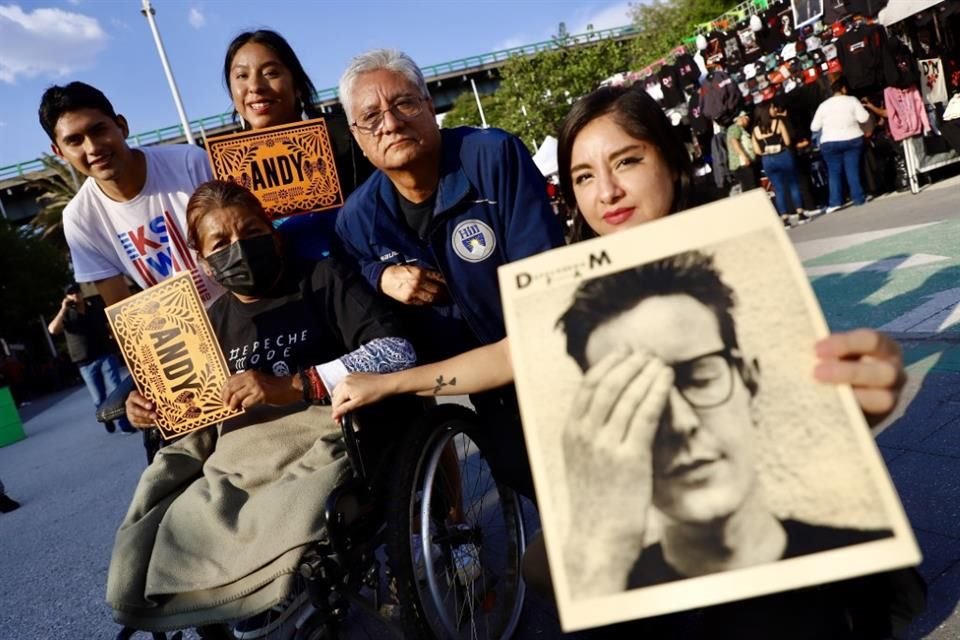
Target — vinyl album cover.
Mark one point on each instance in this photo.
(173, 355)
(290, 168)
(682, 451)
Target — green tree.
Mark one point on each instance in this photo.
(34, 274)
(661, 26)
(536, 91)
(58, 187)
(465, 112)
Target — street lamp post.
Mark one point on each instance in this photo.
(148, 13)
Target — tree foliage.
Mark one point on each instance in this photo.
(57, 188)
(34, 274)
(662, 26)
(465, 112)
(536, 91)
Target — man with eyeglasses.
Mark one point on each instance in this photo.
(664, 420)
(431, 226)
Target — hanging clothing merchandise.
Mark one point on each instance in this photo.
(652, 86)
(670, 87)
(861, 52)
(732, 51)
(720, 96)
(932, 82)
(906, 113)
(687, 70)
(699, 123)
(714, 54)
(834, 10)
(901, 68)
(778, 27)
(748, 42)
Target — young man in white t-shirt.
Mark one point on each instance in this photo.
(129, 216)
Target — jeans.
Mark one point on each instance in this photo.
(782, 171)
(843, 159)
(102, 376)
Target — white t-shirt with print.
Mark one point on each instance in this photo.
(144, 238)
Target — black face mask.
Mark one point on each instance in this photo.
(250, 267)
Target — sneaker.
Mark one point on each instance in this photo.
(272, 619)
(832, 209)
(813, 213)
(786, 222)
(802, 218)
(419, 564)
(109, 426)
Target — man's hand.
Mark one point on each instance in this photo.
(140, 411)
(252, 388)
(871, 362)
(359, 390)
(608, 448)
(412, 285)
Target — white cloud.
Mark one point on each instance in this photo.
(615, 15)
(196, 18)
(46, 41)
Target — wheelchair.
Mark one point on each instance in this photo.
(391, 534)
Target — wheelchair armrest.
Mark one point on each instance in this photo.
(353, 446)
(115, 406)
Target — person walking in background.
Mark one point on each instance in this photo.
(84, 325)
(771, 141)
(740, 152)
(841, 142)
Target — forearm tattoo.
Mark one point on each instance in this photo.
(441, 383)
(382, 355)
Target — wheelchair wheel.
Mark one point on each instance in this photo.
(436, 510)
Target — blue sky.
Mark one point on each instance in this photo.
(107, 43)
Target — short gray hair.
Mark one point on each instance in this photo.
(389, 59)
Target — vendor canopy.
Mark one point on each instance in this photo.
(897, 10)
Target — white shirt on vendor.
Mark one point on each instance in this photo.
(143, 238)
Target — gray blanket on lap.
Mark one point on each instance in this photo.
(217, 525)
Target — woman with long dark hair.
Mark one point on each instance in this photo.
(269, 87)
(771, 141)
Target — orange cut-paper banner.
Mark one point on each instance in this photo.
(290, 168)
(173, 355)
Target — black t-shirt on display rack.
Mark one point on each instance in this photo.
(670, 84)
(687, 70)
(778, 28)
(861, 53)
(732, 51)
(749, 43)
(714, 54)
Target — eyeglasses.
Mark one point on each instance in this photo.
(706, 381)
(403, 108)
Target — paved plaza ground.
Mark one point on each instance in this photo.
(893, 263)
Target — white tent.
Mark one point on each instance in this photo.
(898, 10)
(546, 157)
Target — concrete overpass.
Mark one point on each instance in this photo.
(445, 81)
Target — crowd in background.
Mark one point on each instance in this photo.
(821, 107)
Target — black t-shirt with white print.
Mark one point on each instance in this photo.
(321, 312)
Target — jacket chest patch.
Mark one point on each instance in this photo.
(473, 240)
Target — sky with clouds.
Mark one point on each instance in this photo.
(108, 43)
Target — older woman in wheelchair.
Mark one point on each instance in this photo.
(272, 520)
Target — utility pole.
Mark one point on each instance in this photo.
(148, 13)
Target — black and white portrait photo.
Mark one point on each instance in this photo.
(682, 452)
(806, 11)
